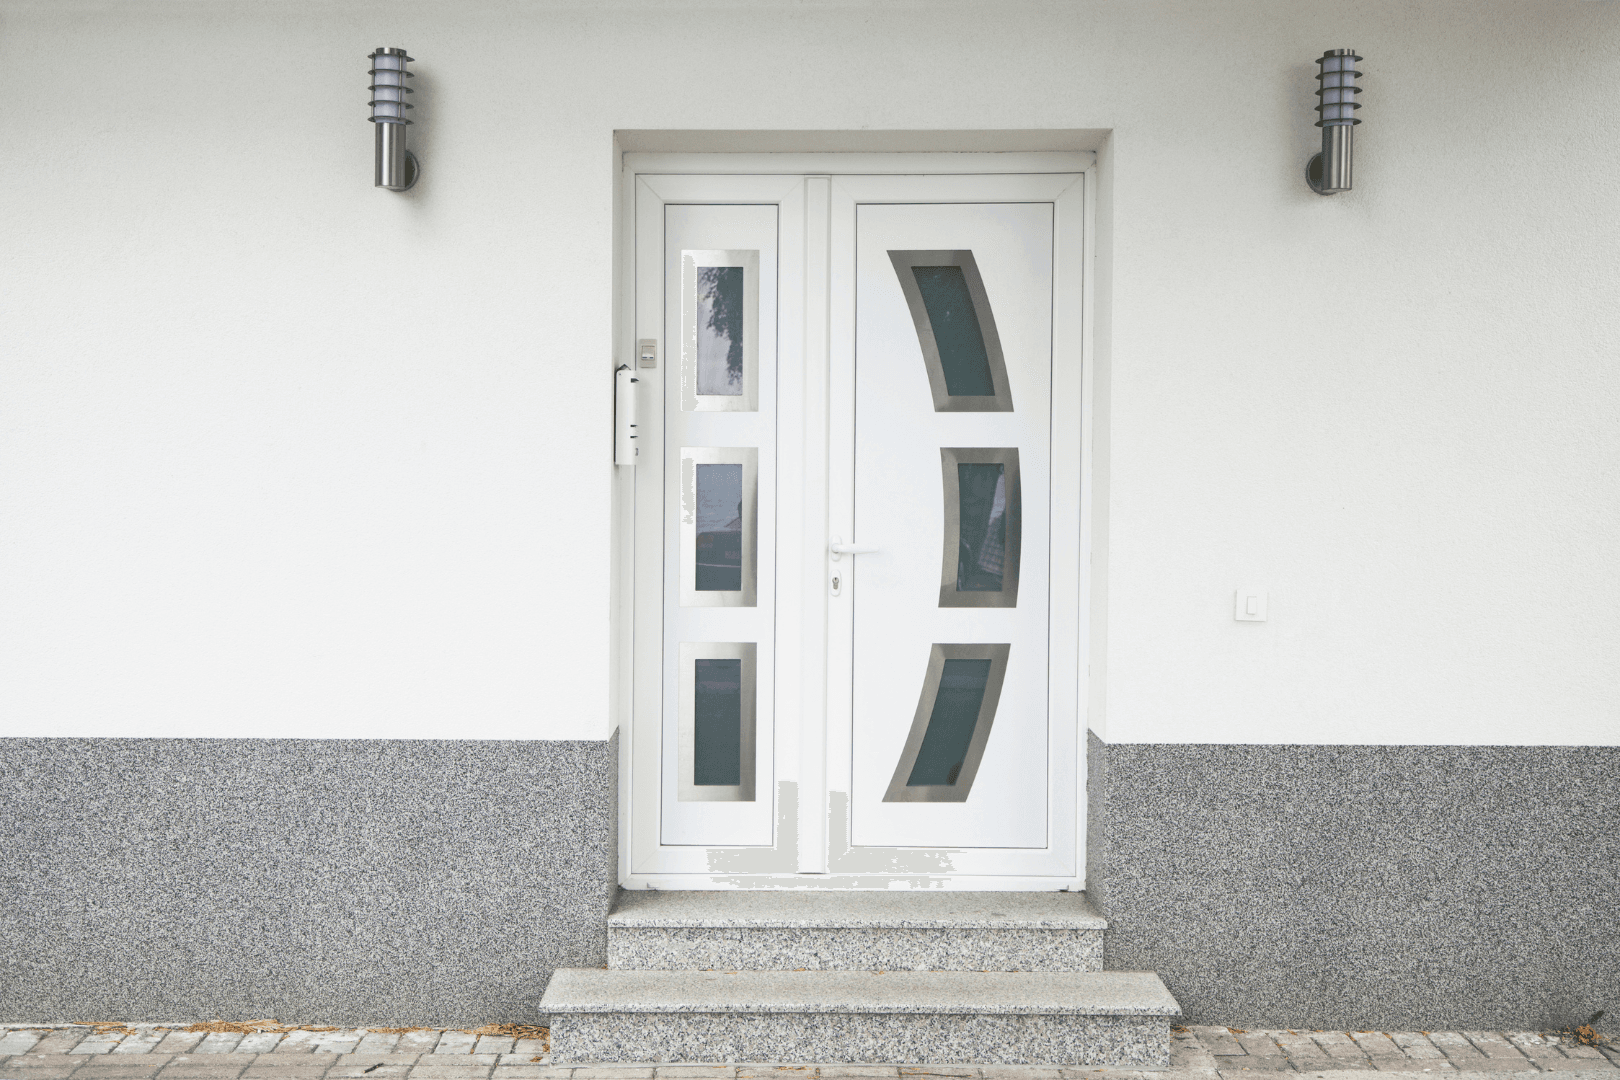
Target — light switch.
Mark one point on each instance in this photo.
(1250, 606)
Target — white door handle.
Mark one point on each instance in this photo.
(839, 549)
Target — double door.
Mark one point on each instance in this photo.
(857, 521)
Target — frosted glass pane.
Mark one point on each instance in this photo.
(717, 723)
(957, 334)
(950, 727)
(720, 330)
(719, 528)
(982, 543)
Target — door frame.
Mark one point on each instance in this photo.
(804, 720)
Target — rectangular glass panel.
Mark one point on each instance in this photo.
(717, 691)
(957, 333)
(720, 330)
(982, 539)
(717, 723)
(719, 370)
(719, 528)
(950, 728)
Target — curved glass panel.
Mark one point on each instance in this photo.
(951, 727)
(955, 329)
(951, 723)
(983, 526)
(957, 335)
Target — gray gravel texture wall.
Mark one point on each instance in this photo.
(344, 882)
(1357, 887)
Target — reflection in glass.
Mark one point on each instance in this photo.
(982, 543)
(720, 336)
(717, 723)
(957, 334)
(950, 728)
(719, 528)
(983, 527)
(720, 330)
(718, 491)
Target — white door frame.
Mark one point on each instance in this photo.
(812, 716)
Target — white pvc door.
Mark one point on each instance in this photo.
(857, 514)
(953, 372)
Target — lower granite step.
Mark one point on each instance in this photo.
(1104, 1018)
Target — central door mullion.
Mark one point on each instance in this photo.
(812, 503)
(840, 521)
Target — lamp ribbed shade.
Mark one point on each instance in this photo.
(1338, 93)
(388, 86)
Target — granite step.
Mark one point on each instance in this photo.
(782, 930)
(1101, 1018)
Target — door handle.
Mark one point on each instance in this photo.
(839, 549)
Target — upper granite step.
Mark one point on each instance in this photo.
(855, 930)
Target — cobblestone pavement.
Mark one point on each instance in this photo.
(151, 1052)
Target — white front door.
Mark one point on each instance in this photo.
(857, 531)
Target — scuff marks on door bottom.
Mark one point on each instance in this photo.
(850, 868)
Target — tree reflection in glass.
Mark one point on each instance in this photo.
(720, 330)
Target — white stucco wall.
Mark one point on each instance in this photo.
(284, 455)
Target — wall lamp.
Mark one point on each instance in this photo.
(1329, 172)
(396, 166)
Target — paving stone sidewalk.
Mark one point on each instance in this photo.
(164, 1052)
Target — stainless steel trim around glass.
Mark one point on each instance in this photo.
(691, 651)
(957, 792)
(691, 400)
(691, 458)
(1007, 457)
(903, 262)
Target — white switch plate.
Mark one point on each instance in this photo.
(1249, 606)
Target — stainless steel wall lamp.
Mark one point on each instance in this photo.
(1329, 172)
(396, 166)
